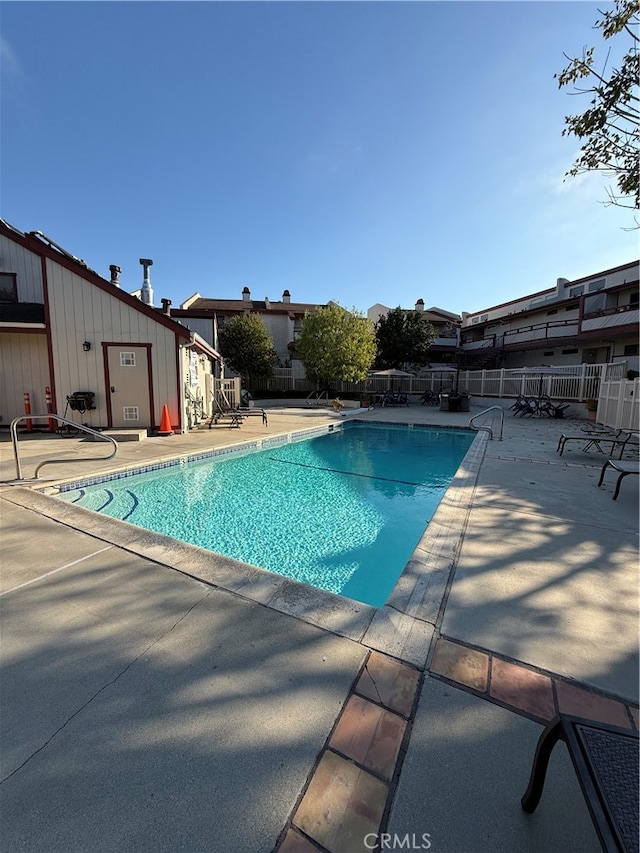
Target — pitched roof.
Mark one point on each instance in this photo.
(205, 305)
(33, 243)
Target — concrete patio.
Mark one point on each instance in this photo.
(156, 698)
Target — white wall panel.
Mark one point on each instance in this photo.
(27, 266)
(23, 367)
(81, 311)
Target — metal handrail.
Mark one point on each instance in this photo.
(489, 430)
(318, 397)
(14, 438)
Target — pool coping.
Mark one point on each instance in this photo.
(404, 628)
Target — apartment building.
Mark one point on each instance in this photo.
(283, 319)
(591, 320)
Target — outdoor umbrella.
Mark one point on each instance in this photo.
(443, 370)
(392, 373)
(541, 371)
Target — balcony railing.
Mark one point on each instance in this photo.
(610, 318)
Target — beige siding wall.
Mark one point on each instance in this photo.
(81, 312)
(14, 258)
(280, 327)
(202, 326)
(23, 367)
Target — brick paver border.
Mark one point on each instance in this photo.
(349, 793)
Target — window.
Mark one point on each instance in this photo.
(596, 285)
(8, 287)
(569, 351)
(577, 291)
(633, 298)
(127, 359)
(131, 413)
(549, 352)
(553, 311)
(572, 307)
(631, 349)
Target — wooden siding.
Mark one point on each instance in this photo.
(201, 326)
(81, 312)
(23, 367)
(27, 266)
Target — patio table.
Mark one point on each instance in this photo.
(605, 759)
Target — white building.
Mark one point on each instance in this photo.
(66, 329)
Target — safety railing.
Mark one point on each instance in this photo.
(317, 398)
(484, 426)
(80, 427)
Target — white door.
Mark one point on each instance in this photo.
(129, 388)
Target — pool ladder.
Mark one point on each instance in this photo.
(14, 438)
(488, 429)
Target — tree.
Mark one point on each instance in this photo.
(403, 337)
(336, 345)
(610, 125)
(247, 348)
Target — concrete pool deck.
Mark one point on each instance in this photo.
(148, 706)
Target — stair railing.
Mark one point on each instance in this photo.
(14, 439)
(488, 429)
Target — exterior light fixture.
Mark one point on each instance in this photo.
(86, 346)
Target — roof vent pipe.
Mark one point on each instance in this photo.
(146, 293)
(166, 307)
(115, 275)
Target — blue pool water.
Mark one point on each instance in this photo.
(342, 512)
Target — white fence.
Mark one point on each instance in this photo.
(619, 404)
(573, 383)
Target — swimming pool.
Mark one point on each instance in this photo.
(343, 511)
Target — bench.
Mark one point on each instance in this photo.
(624, 469)
(605, 759)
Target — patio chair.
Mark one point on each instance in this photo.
(553, 411)
(388, 398)
(235, 416)
(623, 468)
(527, 407)
(595, 439)
(429, 398)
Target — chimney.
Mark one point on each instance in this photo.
(246, 294)
(115, 275)
(146, 293)
(560, 284)
(166, 307)
(286, 296)
(420, 305)
(267, 304)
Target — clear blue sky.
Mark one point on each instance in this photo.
(362, 152)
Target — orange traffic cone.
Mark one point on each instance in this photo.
(165, 423)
